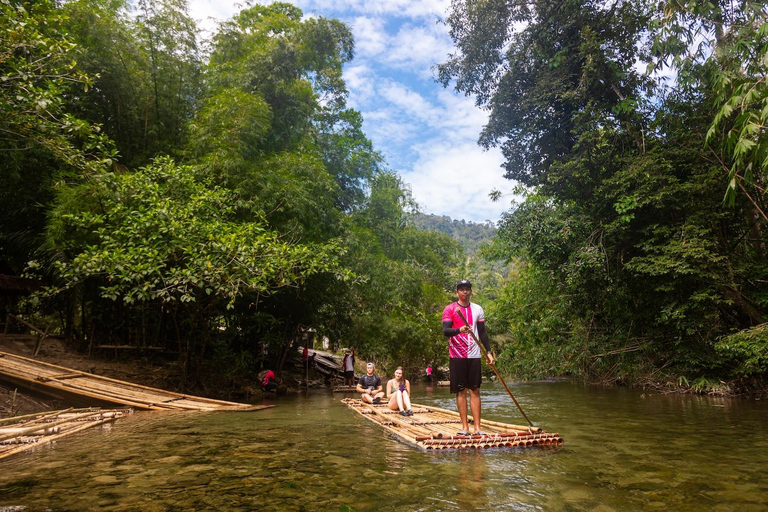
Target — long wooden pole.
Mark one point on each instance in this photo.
(493, 366)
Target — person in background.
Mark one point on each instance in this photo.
(399, 393)
(370, 386)
(464, 353)
(269, 382)
(348, 367)
(429, 373)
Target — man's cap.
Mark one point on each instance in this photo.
(370, 365)
(463, 282)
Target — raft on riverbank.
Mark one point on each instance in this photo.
(24, 433)
(432, 428)
(84, 388)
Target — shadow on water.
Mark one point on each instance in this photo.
(625, 450)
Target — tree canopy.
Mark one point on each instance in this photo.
(634, 261)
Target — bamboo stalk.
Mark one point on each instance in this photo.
(495, 435)
(372, 418)
(35, 428)
(17, 431)
(37, 415)
(125, 394)
(107, 379)
(49, 439)
(400, 422)
(489, 422)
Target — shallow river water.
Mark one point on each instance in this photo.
(624, 450)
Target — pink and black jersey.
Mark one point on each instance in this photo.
(463, 346)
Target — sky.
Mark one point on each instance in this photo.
(427, 133)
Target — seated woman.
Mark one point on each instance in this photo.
(399, 393)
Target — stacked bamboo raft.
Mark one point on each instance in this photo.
(325, 363)
(432, 428)
(444, 383)
(27, 432)
(76, 386)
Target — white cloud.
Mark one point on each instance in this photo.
(401, 8)
(418, 48)
(371, 38)
(209, 12)
(361, 81)
(455, 180)
(412, 104)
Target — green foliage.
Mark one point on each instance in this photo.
(166, 234)
(532, 328)
(147, 72)
(569, 64)
(471, 235)
(636, 265)
(394, 308)
(723, 46)
(37, 70)
(40, 142)
(747, 349)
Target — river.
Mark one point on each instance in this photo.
(624, 450)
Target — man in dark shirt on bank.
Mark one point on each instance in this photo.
(370, 386)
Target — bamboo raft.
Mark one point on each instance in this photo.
(443, 383)
(24, 433)
(345, 389)
(432, 428)
(85, 388)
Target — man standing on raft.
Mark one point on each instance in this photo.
(465, 354)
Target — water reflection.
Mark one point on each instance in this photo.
(471, 481)
(624, 451)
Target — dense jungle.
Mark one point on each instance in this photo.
(218, 200)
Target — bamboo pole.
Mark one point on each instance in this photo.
(488, 422)
(36, 329)
(398, 421)
(49, 439)
(37, 415)
(137, 395)
(35, 428)
(108, 379)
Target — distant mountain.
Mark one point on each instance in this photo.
(471, 235)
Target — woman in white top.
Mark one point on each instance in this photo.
(399, 393)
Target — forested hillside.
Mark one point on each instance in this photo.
(471, 235)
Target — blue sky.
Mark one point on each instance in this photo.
(427, 133)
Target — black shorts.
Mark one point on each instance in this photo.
(465, 374)
(349, 374)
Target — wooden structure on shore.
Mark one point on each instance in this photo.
(432, 428)
(24, 433)
(88, 389)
